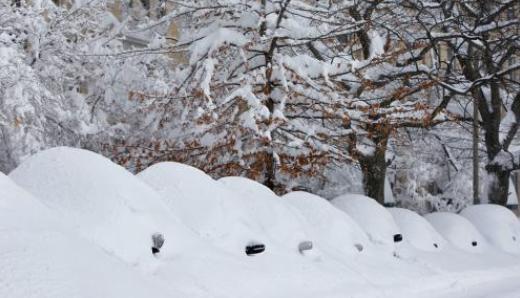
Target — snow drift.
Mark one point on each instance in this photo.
(91, 231)
(373, 218)
(498, 224)
(41, 256)
(458, 231)
(282, 223)
(417, 230)
(107, 204)
(328, 225)
(206, 206)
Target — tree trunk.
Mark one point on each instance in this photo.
(374, 173)
(373, 168)
(270, 171)
(497, 185)
(476, 194)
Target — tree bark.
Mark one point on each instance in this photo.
(270, 160)
(476, 195)
(374, 173)
(373, 168)
(497, 185)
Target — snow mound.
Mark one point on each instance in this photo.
(329, 226)
(499, 225)
(107, 204)
(458, 231)
(205, 205)
(41, 256)
(278, 219)
(373, 218)
(417, 230)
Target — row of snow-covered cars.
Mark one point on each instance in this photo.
(176, 214)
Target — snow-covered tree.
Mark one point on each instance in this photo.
(431, 169)
(21, 100)
(276, 90)
(483, 42)
(389, 87)
(67, 78)
(252, 97)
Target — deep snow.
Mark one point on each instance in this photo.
(373, 218)
(276, 217)
(498, 224)
(458, 231)
(42, 256)
(85, 230)
(328, 225)
(107, 204)
(206, 207)
(417, 230)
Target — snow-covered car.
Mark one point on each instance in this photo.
(417, 230)
(499, 225)
(373, 218)
(330, 227)
(457, 230)
(43, 256)
(107, 204)
(280, 221)
(206, 207)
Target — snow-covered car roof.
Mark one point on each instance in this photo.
(373, 218)
(417, 230)
(499, 225)
(206, 206)
(328, 225)
(43, 255)
(458, 231)
(106, 203)
(280, 220)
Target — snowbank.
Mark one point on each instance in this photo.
(328, 225)
(458, 231)
(119, 213)
(282, 223)
(205, 205)
(417, 230)
(89, 235)
(339, 234)
(498, 224)
(107, 204)
(373, 218)
(231, 222)
(41, 256)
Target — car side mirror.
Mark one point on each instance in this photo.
(359, 247)
(254, 249)
(304, 246)
(158, 242)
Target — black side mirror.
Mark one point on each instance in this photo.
(254, 249)
(158, 242)
(359, 247)
(435, 245)
(474, 243)
(398, 238)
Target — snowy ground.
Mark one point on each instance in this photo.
(73, 224)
